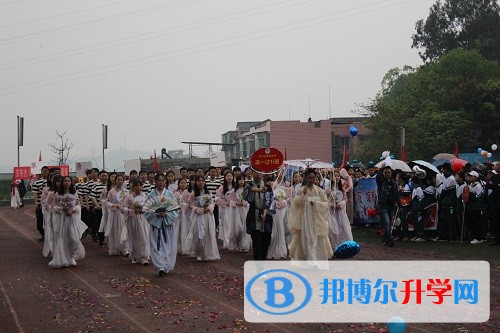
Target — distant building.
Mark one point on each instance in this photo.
(322, 139)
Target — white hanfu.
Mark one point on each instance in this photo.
(309, 224)
(137, 227)
(49, 231)
(225, 217)
(202, 238)
(117, 236)
(67, 246)
(162, 236)
(185, 219)
(238, 239)
(339, 225)
(15, 198)
(103, 227)
(278, 246)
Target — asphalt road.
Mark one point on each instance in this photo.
(109, 294)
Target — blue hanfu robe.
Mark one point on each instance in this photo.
(163, 237)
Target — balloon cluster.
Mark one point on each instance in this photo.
(485, 153)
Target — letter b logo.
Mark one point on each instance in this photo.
(280, 286)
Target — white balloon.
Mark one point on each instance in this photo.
(385, 153)
(494, 147)
(489, 155)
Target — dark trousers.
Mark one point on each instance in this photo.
(475, 224)
(39, 220)
(260, 244)
(86, 217)
(386, 214)
(97, 224)
(216, 215)
(447, 225)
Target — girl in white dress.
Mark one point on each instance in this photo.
(105, 226)
(339, 225)
(67, 246)
(15, 198)
(137, 226)
(239, 239)
(278, 246)
(225, 211)
(182, 226)
(48, 203)
(202, 238)
(117, 238)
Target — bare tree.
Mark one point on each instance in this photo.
(62, 148)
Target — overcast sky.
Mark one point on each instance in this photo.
(161, 72)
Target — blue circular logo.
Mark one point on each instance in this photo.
(278, 291)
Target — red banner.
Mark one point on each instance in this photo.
(266, 160)
(22, 173)
(64, 169)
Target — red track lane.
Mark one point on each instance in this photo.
(106, 293)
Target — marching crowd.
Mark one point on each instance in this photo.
(305, 218)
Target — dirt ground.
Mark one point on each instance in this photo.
(109, 294)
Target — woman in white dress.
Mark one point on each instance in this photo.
(225, 212)
(105, 227)
(339, 225)
(48, 204)
(117, 237)
(202, 238)
(15, 198)
(162, 236)
(137, 226)
(181, 225)
(278, 247)
(67, 246)
(309, 223)
(239, 239)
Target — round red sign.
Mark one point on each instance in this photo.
(267, 160)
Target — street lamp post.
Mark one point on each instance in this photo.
(104, 143)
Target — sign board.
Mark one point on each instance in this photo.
(36, 167)
(82, 167)
(64, 169)
(132, 165)
(22, 173)
(267, 160)
(218, 159)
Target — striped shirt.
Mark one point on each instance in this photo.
(84, 192)
(97, 191)
(212, 186)
(37, 188)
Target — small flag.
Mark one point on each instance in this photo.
(345, 158)
(155, 163)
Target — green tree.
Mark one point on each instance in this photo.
(467, 24)
(454, 99)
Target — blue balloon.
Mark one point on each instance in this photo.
(479, 150)
(346, 250)
(396, 325)
(354, 131)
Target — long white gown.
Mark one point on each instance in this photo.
(117, 236)
(278, 247)
(185, 219)
(339, 225)
(238, 239)
(67, 246)
(202, 237)
(309, 225)
(49, 232)
(225, 217)
(137, 228)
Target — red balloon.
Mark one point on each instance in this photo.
(372, 212)
(457, 165)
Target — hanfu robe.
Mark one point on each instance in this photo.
(50, 232)
(339, 225)
(278, 246)
(162, 236)
(202, 237)
(309, 224)
(137, 227)
(15, 198)
(117, 236)
(185, 219)
(225, 217)
(67, 246)
(238, 239)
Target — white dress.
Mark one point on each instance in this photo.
(225, 217)
(339, 225)
(238, 239)
(202, 239)
(137, 228)
(67, 246)
(278, 246)
(49, 232)
(117, 235)
(185, 220)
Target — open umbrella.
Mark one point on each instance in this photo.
(444, 156)
(478, 166)
(358, 165)
(396, 165)
(425, 165)
(309, 163)
(437, 163)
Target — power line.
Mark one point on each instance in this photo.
(64, 14)
(12, 2)
(27, 61)
(187, 54)
(91, 23)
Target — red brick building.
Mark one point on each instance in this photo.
(322, 139)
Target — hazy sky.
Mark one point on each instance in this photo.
(161, 72)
